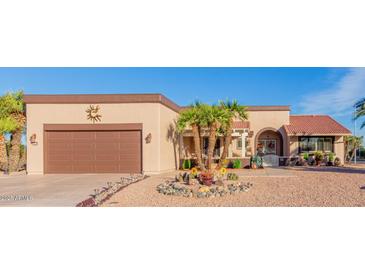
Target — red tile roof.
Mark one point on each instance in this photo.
(315, 125)
(241, 124)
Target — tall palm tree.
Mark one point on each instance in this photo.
(234, 111)
(12, 106)
(352, 143)
(7, 125)
(360, 110)
(214, 118)
(192, 117)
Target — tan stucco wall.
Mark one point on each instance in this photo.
(339, 148)
(293, 145)
(147, 113)
(169, 140)
(268, 119)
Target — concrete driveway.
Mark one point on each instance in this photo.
(51, 190)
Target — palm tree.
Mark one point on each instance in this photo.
(214, 118)
(352, 143)
(12, 107)
(192, 117)
(360, 110)
(18, 114)
(7, 125)
(234, 111)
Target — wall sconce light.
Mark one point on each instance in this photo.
(33, 139)
(148, 138)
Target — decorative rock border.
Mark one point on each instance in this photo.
(177, 189)
(101, 196)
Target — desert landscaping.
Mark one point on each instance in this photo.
(281, 187)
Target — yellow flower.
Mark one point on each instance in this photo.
(194, 171)
(223, 170)
(204, 189)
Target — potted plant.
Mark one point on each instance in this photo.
(318, 157)
(331, 158)
(337, 161)
(206, 178)
(187, 164)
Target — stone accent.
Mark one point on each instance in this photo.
(101, 195)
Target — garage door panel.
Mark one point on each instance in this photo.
(126, 143)
(60, 157)
(79, 147)
(129, 150)
(60, 146)
(59, 167)
(107, 167)
(52, 135)
(83, 168)
(107, 135)
(107, 157)
(93, 152)
(106, 146)
(83, 157)
(84, 135)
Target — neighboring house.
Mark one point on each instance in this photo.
(136, 132)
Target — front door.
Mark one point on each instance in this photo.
(267, 147)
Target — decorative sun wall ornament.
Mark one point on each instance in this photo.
(93, 113)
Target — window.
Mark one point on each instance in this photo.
(217, 148)
(308, 144)
(267, 146)
(239, 143)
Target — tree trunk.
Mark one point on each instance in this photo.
(353, 153)
(198, 152)
(14, 155)
(227, 143)
(211, 144)
(3, 154)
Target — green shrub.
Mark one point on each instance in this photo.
(331, 157)
(318, 156)
(232, 176)
(187, 164)
(237, 164)
(306, 156)
(337, 161)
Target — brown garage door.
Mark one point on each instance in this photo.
(86, 151)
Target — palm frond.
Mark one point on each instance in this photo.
(360, 103)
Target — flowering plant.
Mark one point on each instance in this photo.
(194, 171)
(223, 171)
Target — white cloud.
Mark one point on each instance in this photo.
(338, 100)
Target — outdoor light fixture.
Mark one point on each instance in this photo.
(33, 139)
(148, 138)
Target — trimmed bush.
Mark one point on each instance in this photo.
(237, 164)
(306, 156)
(318, 156)
(187, 164)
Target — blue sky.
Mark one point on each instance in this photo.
(308, 90)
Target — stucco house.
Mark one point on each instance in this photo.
(125, 133)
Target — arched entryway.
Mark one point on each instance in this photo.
(269, 141)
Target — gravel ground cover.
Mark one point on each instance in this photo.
(294, 187)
